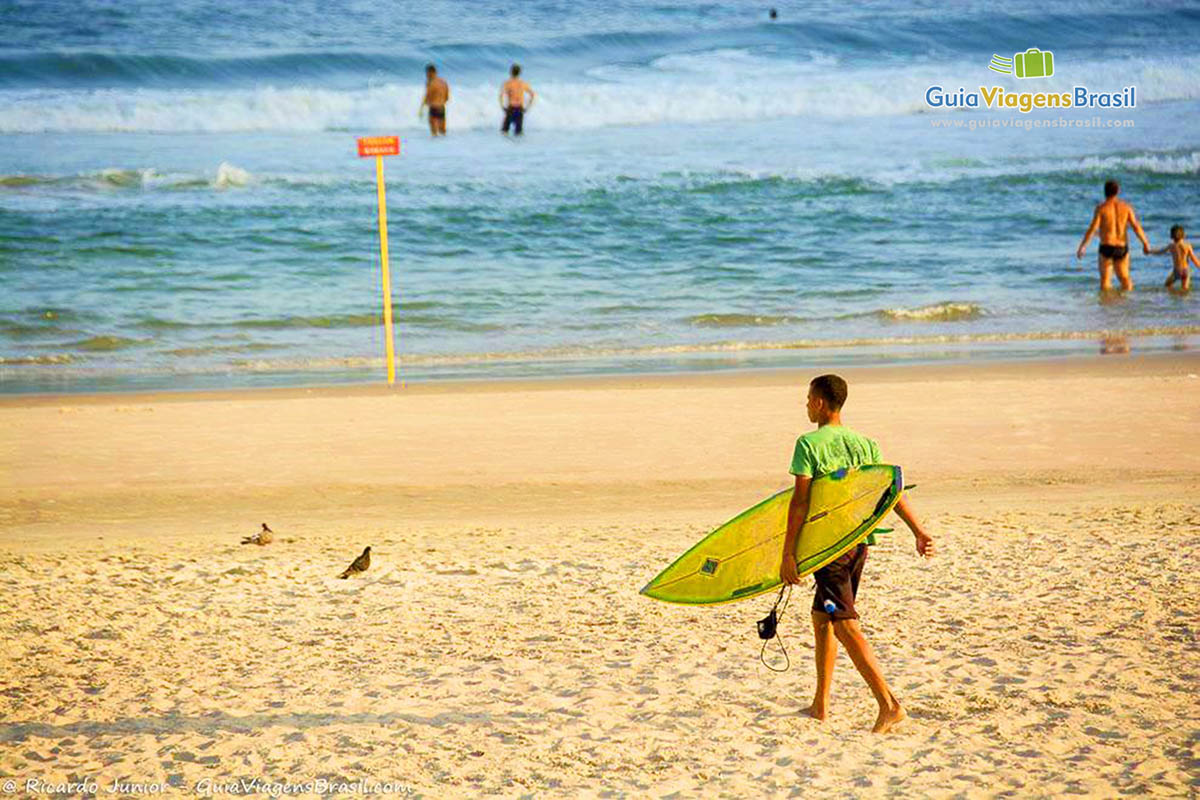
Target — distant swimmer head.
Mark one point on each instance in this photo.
(1111, 188)
(773, 14)
(515, 70)
(1176, 233)
(826, 396)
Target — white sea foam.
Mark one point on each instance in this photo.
(939, 312)
(674, 89)
(228, 175)
(1166, 164)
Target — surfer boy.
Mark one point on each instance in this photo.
(512, 100)
(437, 94)
(827, 449)
(1113, 217)
(1181, 252)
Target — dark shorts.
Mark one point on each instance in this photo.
(513, 116)
(1114, 251)
(838, 581)
(437, 112)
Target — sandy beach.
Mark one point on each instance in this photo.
(498, 643)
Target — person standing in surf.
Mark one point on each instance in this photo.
(1113, 217)
(512, 100)
(1181, 252)
(437, 94)
(829, 448)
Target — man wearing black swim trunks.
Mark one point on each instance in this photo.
(437, 94)
(512, 100)
(1112, 218)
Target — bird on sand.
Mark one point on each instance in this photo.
(359, 564)
(265, 536)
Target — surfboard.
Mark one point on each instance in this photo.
(740, 559)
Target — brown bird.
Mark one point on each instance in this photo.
(265, 536)
(359, 564)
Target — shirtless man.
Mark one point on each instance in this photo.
(513, 91)
(437, 94)
(1112, 218)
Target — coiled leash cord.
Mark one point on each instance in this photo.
(768, 629)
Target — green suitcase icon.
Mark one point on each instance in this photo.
(1034, 63)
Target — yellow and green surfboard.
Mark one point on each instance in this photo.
(740, 559)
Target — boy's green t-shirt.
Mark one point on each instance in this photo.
(830, 448)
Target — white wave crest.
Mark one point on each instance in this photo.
(228, 175)
(939, 312)
(1172, 164)
(672, 90)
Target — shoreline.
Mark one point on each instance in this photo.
(1082, 364)
(691, 446)
(18, 378)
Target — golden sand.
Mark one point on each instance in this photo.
(498, 644)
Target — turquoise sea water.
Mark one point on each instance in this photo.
(181, 204)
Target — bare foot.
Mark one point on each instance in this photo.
(816, 711)
(889, 718)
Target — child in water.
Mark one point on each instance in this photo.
(1181, 252)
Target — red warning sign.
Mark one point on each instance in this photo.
(379, 146)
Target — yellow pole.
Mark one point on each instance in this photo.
(387, 278)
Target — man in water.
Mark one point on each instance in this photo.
(827, 449)
(437, 94)
(512, 100)
(1113, 217)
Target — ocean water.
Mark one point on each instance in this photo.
(699, 187)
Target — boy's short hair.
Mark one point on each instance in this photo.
(515, 70)
(430, 68)
(1176, 233)
(1111, 188)
(832, 389)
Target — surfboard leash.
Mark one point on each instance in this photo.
(768, 629)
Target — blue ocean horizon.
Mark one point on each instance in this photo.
(699, 188)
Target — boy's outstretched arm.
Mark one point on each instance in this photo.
(797, 512)
(925, 545)
(1191, 254)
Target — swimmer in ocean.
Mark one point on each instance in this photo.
(437, 94)
(1112, 218)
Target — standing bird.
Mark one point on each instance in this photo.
(265, 536)
(359, 564)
